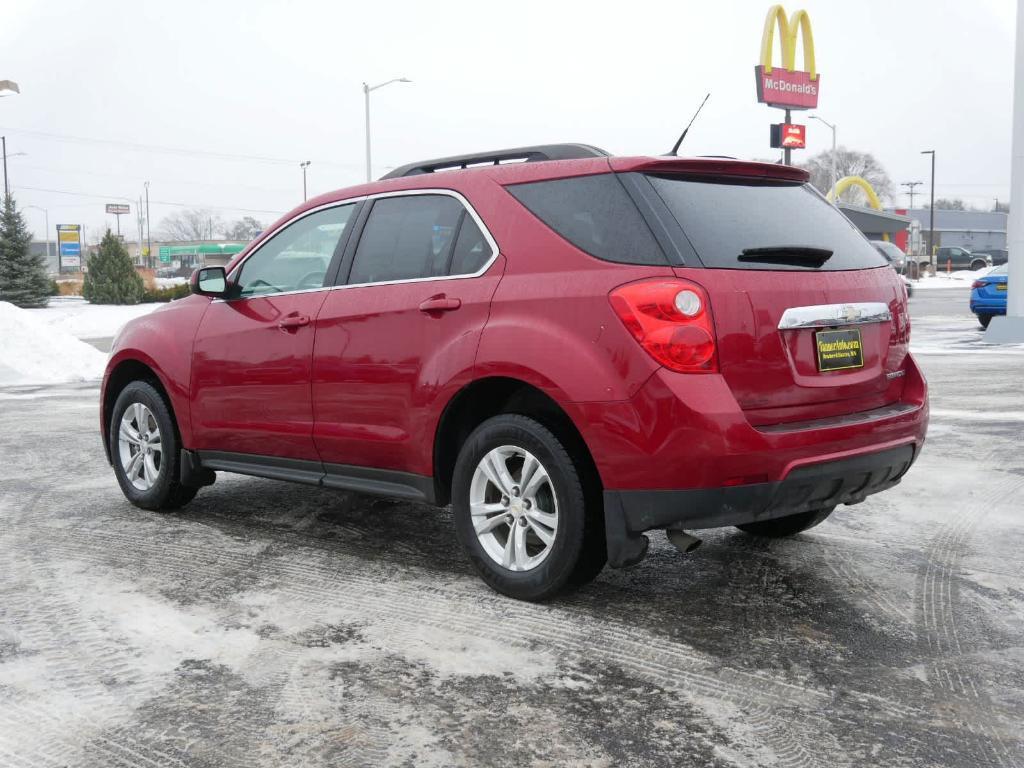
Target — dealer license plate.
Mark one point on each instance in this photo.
(838, 350)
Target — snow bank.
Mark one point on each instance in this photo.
(169, 282)
(76, 316)
(959, 279)
(36, 353)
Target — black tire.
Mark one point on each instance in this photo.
(978, 264)
(167, 492)
(790, 525)
(577, 552)
(984, 320)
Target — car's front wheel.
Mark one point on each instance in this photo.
(984, 320)
(520, 511)
(781, 527)
(144, 449)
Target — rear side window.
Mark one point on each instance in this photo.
(472, 250)
(723, 219)
(406, 238)
(594, 213)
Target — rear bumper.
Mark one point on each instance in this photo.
(815, 486)
(682, 453)
(984, 306)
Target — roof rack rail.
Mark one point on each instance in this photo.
(521, 154)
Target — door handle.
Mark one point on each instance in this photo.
(440, 304)
(292, 322)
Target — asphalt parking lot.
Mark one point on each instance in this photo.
(270, 625)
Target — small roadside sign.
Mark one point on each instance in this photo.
(118, 208)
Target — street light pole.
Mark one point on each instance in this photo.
(366, 96)
(149, 241)
(1009, 329)
(304, 165)
(835, 197)
(7, 190)
(931, 212)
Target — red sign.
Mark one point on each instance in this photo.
(793, 136)
(785, 89)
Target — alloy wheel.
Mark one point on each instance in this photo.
(514, 508)
(139, 446)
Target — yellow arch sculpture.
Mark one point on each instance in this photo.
(857, 181)
(799, 21)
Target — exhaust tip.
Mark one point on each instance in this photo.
(682, 540)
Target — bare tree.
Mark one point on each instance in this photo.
(849, 162)
(191, 224)
(245, 228)
(945, 204)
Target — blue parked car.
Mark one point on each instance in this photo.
(988, 295)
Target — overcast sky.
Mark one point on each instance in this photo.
(282, 80)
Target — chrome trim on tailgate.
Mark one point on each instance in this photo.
(828, 315)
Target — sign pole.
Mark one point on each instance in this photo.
(1010, 329)
(787, 153)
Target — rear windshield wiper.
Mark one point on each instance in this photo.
(796, 255)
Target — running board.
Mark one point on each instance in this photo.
(377, 482)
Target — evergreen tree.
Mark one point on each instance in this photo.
(23, 278)
(111, 278)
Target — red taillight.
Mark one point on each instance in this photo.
(672, 320)
(977, 284)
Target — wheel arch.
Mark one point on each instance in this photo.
(484, 398)
(120, 375)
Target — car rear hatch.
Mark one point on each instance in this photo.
(810, 320)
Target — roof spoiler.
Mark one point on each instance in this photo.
(709, 166)
(519, 154)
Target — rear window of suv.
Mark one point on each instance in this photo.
(722, 219)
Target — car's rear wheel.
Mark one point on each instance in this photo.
(144, 448)
(978, 264)
(984, 320)
(787, 526)
(520, 511)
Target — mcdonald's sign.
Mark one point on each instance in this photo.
(785, 86)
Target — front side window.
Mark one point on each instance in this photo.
(297, 257)
(406, 238)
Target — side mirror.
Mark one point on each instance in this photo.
(209, 281)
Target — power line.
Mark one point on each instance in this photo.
(910, 189)
(160, 202)
(160, 149)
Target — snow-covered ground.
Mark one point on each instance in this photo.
(270, 625)
(77, 317)
(34, 352)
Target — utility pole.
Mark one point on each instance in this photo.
(910, 190)
(149, 241)
(931, 209)
(304, 165)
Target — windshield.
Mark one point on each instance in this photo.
(722, 219)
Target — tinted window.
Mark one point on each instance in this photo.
(406, 238)
(297, 257)
(595, 214)
(723, 219)
(472, 250)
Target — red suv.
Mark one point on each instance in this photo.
(571, 350)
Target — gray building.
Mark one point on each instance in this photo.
(874, 224)
(39, 247)
(973, 230)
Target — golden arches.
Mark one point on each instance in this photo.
(857, 181)
(799, 21)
